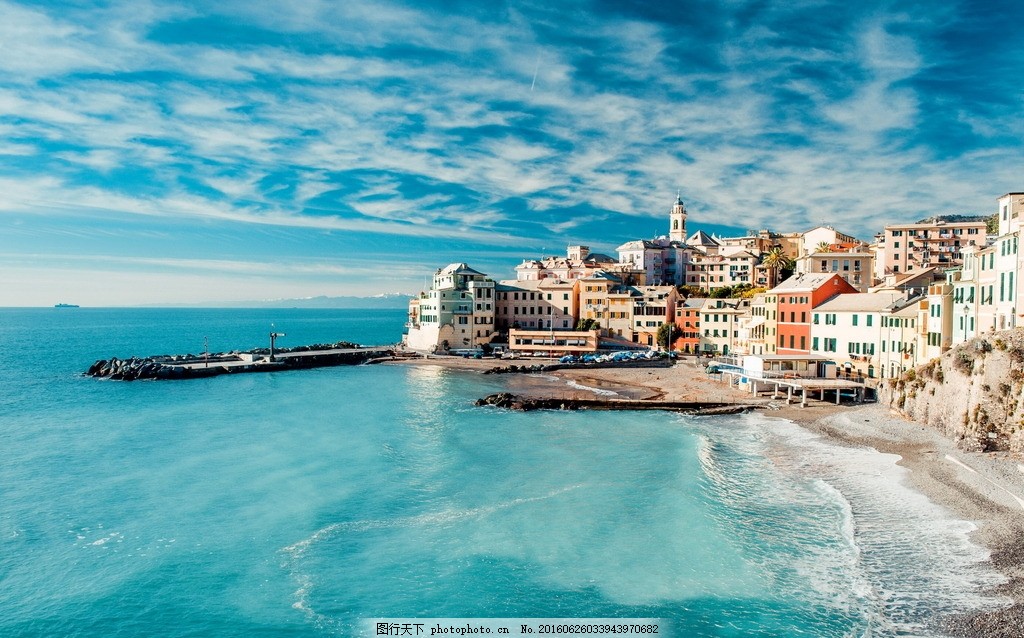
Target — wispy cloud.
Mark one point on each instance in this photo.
(491, 127)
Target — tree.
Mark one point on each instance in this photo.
(688, 291)
(587, 324)
(750, 292)
(667, 333)
(776, 260)
(823, 247)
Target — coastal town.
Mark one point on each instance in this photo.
(819, 301)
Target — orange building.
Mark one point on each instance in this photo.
(687, 320)
(796, 298)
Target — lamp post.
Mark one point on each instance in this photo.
(273, 338)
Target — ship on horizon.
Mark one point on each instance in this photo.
(66, 305)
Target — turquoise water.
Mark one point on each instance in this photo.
(299, 503)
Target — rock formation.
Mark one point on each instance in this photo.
(974, 393)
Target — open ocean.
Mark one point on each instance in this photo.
(300, 503)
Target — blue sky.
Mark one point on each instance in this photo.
(195, 151)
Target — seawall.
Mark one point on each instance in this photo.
(174, 367)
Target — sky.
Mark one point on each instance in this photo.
(176, 152)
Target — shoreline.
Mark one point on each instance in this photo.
(986, 489)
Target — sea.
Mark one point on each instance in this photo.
(312, 502)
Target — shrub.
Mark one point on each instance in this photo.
(1017, 355)
(963, 362)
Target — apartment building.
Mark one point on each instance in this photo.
(653, 306)
(722, 267)
(754, 335)
(662, 261)
(578, 263)
(938, 323)
(457, 311)
(914, 247)
(855, 267)
(720, 324)
(796, 298)
(848, 329)
(550, 304)
(687, 322)
(1008, 261)
(899, 338)
(965, 297)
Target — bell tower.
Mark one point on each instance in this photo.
(677, 221)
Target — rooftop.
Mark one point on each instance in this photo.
(860, 302)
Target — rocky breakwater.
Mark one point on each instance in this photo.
(973, 394)
(190, 366)
(527, 404)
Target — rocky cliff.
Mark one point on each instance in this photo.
(973, 394)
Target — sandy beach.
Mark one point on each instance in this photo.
(985, 488)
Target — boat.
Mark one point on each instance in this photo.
(66, 305)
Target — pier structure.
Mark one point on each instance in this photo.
(805, 374)
(210, 365)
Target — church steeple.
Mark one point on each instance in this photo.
(677, 221)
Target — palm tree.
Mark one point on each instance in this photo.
(775, 260)
(823, 247)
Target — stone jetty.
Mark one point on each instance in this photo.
(526, 404)
(191, 366)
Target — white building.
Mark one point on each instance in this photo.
(663, 260)
(965, 297)
(848, 328)
(811, 239)
(900, 337)
(457, 312)
(1008, 261)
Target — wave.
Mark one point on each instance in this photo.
(296, 552)
(845, 522)
(598, 391)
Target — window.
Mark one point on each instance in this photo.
(814, 343)
(855, 319)
(868, 321)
